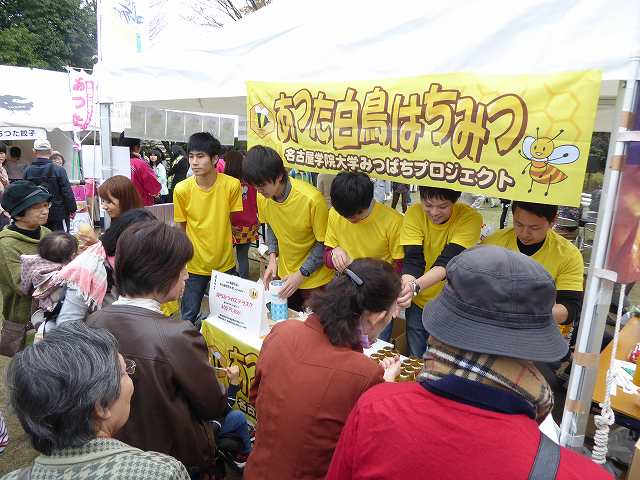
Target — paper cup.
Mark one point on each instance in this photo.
(279, 306)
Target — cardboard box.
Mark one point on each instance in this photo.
(399, 335)
(634, 468)
(400, 344)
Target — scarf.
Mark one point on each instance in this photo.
(88, 274)
(518, 376)
(37, 280)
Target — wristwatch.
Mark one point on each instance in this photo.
(304, 272)
(415, 287)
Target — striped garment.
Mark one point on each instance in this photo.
(88, 274)
(4, 434)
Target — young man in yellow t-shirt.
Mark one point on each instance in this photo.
(533, 235)
(296, 216)
(202, 205)
(433, 232)
(360, 227)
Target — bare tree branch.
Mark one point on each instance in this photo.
(208, 12)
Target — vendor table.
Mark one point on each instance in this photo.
(226, 348)
(622, 403)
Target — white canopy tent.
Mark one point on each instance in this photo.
(41, 100)
(35, 98)
(295, 40)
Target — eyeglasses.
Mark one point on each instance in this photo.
(129, 367)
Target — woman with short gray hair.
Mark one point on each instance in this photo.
(80, 399)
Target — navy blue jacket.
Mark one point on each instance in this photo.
(54, 178)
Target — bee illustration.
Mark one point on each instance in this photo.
(263, 116)
(542, 155)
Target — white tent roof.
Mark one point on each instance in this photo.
(304, 40)
(31, 97)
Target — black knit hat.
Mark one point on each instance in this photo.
(21, 195)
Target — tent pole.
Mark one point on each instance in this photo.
(599, 286)
(105, 140)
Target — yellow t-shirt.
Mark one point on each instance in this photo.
(462, 228)
(377, 236)
(297, 223)
(558, 256)
(206, 213)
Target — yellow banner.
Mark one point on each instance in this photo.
(521, 137)
(226, 350)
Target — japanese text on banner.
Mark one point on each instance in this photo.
(522, 137)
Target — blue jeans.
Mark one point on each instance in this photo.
(194, 290)
(416, 334)
(236, 423)
(242, 254)
(386, 333)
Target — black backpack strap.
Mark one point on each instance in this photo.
(545, 465)
(54, 181)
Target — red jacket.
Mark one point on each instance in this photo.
(144, 180)
(303, 391)
(399, 431)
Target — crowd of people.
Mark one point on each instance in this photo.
(128, 392)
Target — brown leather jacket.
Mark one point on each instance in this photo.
(176, 389)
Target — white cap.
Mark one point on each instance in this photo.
(42, 145)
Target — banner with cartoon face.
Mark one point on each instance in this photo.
(521, 137)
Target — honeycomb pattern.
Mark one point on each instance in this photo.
(558, 112)
(561, 109)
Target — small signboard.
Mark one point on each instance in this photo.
(22, 133)
(237, 305)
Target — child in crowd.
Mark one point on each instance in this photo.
(38, 278)
(234, 422)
